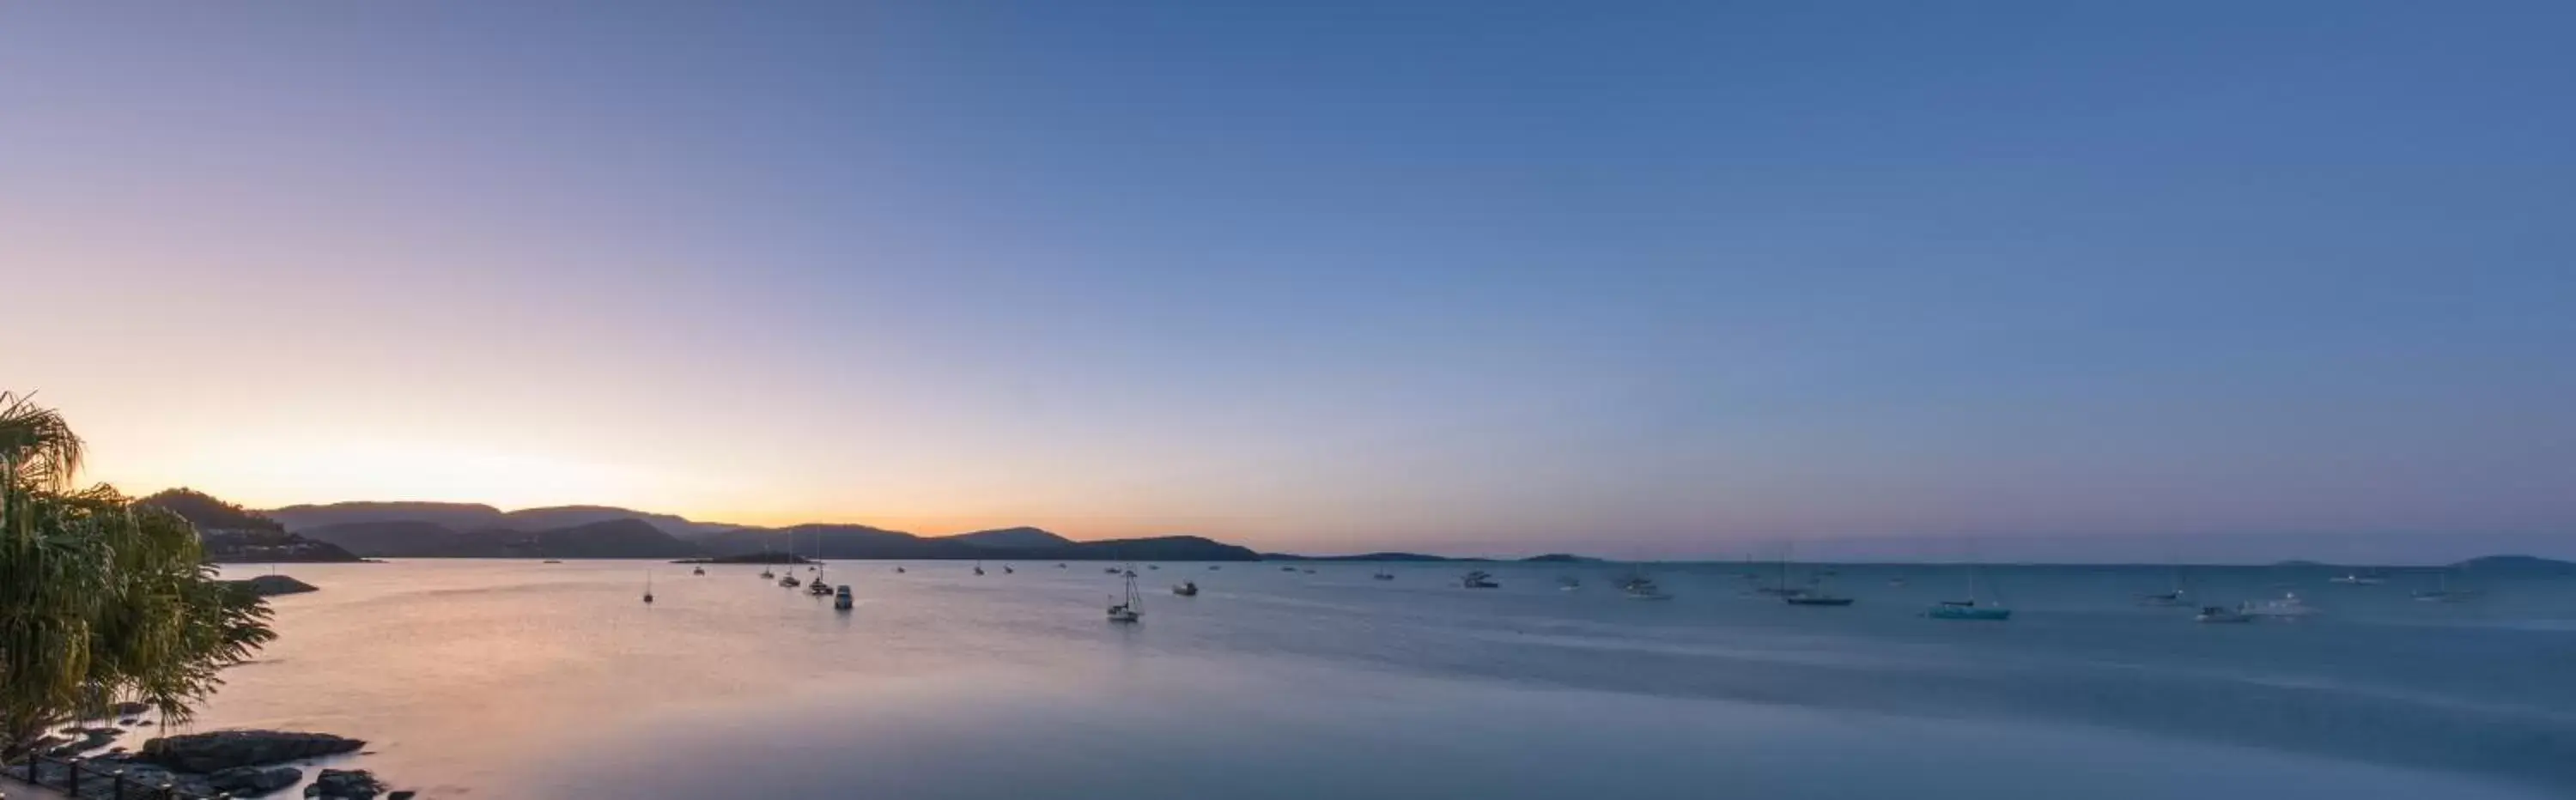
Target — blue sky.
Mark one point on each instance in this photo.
(1653, 279)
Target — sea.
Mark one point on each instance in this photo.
(521, 679)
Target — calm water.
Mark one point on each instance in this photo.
(506, 679)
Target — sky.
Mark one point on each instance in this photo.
(1638, 279)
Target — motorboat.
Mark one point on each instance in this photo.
(1568, 583)
(2221, 614)
(1186, 589)
(2168, 599)
(1478, 579)
(818, 588)
(841, 598)
(697, 570)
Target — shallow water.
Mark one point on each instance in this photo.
(515, 679)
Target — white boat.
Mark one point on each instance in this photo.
(841, 598)
(2358, 579)
(1133, 607)
(1568, 583)
(2287, 607)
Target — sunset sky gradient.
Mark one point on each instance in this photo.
(1651, 279)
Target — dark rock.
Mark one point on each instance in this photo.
(268, 585)
(219, 750)
(352, 784)
(250, 781)
(401, 795)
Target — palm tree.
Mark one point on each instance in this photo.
(101, 600)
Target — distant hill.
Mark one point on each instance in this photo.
(231, 534)
(473, 530)
(394, 539)
(208, 513)
(2518, 566)
(530, 519)
(616, 538)
(454, 516)
(1011, 537)
(1360, 557)
(1561, 558)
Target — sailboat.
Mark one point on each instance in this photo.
(818, 587)
(1813, 594)
(1639, 587)
(789, 580)
(2172, 598)
(648, 586)
(1781, 587)
(1133, 607)
(2442, 591)
(1971, 608)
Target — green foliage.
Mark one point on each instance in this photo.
(101, 599)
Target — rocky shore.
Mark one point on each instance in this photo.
(244, 763)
